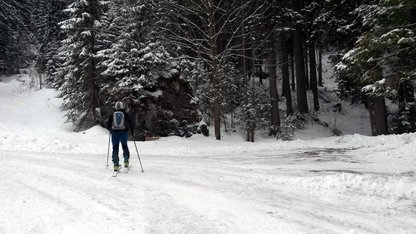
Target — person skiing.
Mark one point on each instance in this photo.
(119, 124)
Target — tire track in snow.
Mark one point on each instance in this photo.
(163, 214)
(91, 199)
(202, 192)
(201, 195)
(327, 214)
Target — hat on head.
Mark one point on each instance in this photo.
(119, 105)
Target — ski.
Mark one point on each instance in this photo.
(126, 169)
(115, 173)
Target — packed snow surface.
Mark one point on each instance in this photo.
(55, 180)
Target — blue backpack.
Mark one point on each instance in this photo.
(118, 121)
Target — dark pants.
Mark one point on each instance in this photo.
(120, 137)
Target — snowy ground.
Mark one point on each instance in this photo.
(55, 181)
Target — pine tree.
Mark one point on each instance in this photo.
(79, 71)
(132, 57)
(15, 37)
(231, 83)
(255, 113)
(46, 16)
(382, 57)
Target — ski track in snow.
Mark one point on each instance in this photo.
(235, 194)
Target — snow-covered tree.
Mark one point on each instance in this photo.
(133, 57)
(255, 109)
(79, 70)
(383, 56)
(231, 87)
(46, 16)
(15, 37)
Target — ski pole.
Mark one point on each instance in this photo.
(108, 148)
(138, 156)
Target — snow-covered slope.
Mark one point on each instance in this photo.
(55, 181)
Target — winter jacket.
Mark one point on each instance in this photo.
(127, 122)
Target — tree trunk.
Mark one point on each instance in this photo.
(300, 73)
(94, 81)
(314, 82)
(247, 134)
(252, 123)
(232, 120)
(292, 68)
(252, 131)
(305, 55)
(245, 77)
(94, 73)
(320, 82)
(216, 108)
(378, 115)
(284, 63)
(40, 73)
(274, 96)
(224, 119)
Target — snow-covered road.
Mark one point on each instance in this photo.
(308, 191)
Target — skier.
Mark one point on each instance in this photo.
(119, 123)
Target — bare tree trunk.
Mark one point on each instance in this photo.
(300, 65)
(94, 82)
(274, 96)
(40, 80)
(300, 73)
(320, 82)
(216, 109)
(224, 120)
(252, 134)
(252, 123)
(232, 120)
(253, 96)
(314, 82)
(378, 115)
(292, 67)
(284, 61)
(245, 74)
(305, 50)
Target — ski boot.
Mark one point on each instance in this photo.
(126, 167)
